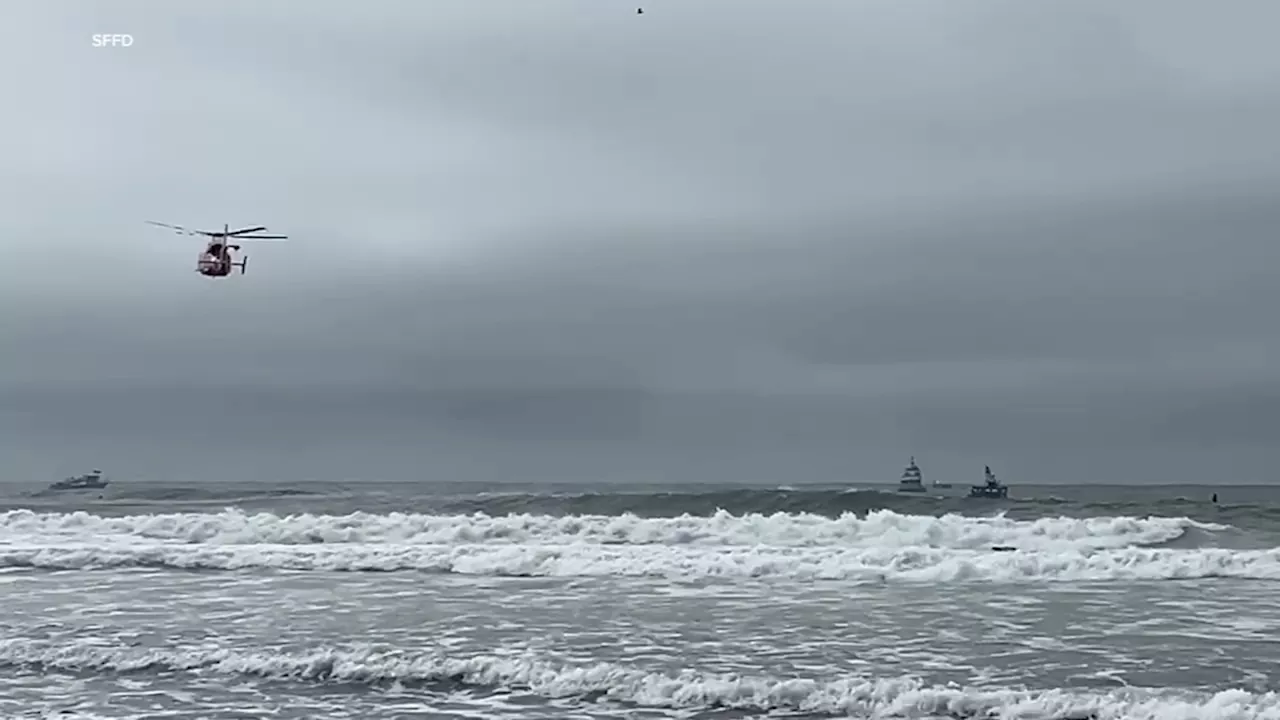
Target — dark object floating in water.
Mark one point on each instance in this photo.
(639, 11)
(89, 481)
(1003, 548)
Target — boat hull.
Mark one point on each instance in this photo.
(80, 483)
(984, 493)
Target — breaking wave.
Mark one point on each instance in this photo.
(881, 529)
(881, 546)
(864, 696)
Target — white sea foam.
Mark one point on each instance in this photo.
(883, 565)
(880, 529)
(862, 696)
(883, 546)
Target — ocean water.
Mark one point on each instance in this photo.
(436, 601)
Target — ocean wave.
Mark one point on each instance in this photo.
(828, 502)
(882, 546)
(927, 565)
(650, 502)
(206, 494)
(861, 696)
(880, 529)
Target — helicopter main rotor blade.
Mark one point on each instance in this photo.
(242, 234)
(175, 228)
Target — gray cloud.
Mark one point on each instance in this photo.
(716, 239)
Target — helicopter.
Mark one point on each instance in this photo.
(216, 261)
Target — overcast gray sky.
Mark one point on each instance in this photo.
(719, 240)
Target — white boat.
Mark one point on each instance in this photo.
(911, 481)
